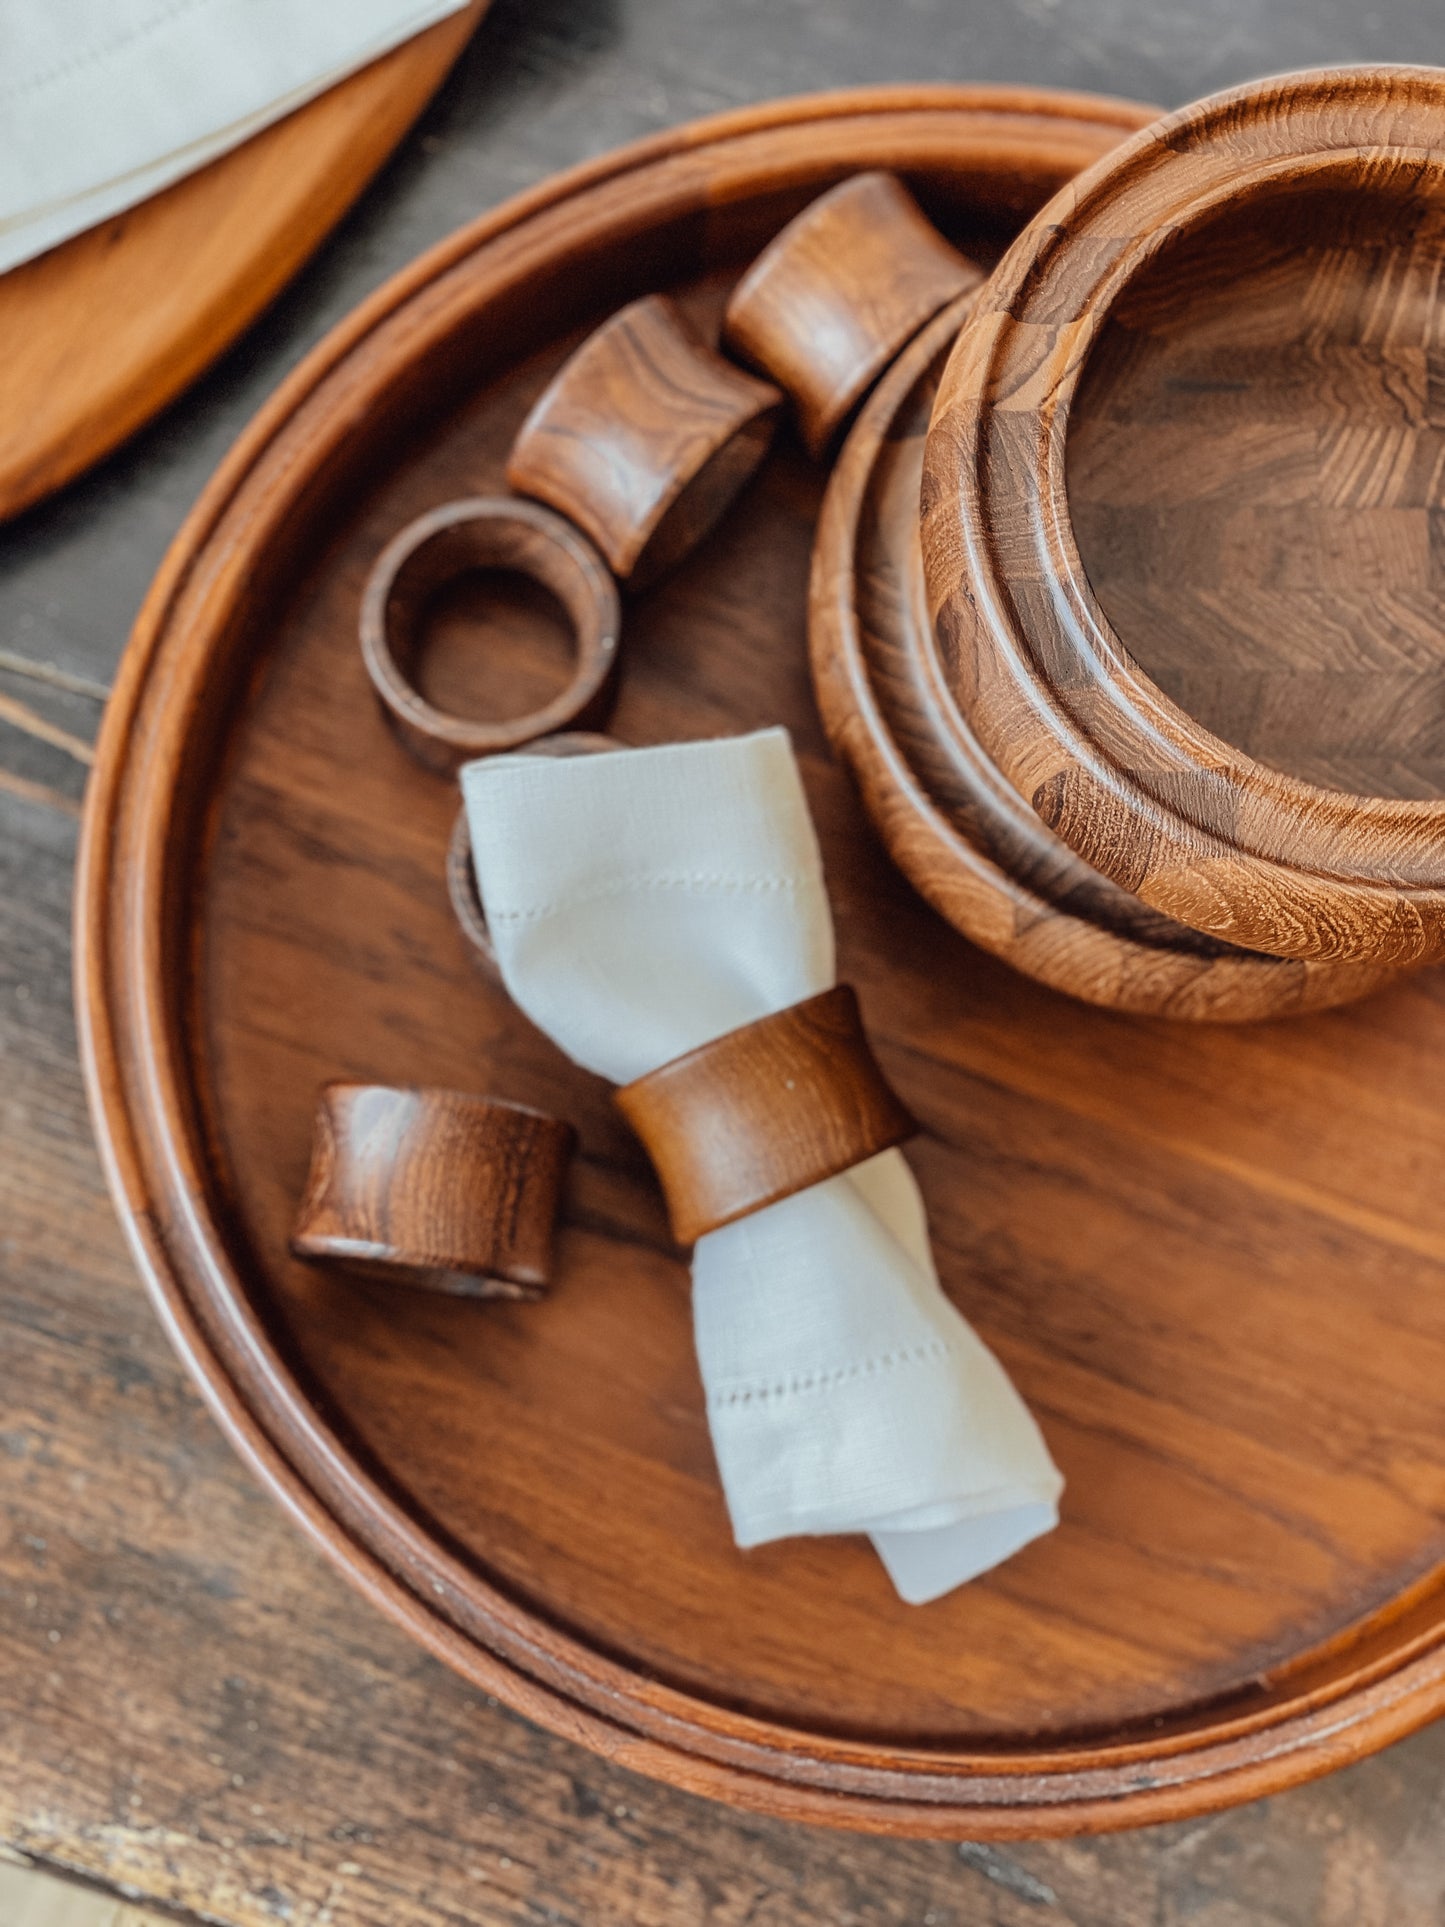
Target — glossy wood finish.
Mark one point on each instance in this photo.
(643, 438)
(1278, 574)
(764, 1112)
(1332, 362)
(1210, 1257)
(97, 335)
(433, 552)
(201, 1633)
(831, 301)
(462, 889)
(435, 1188)
(961, 834)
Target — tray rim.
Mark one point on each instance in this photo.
(665, 1732)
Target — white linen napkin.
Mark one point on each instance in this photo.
(641, 903)
(104, 102)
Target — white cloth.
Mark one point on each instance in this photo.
(642, 902)
(104, 102)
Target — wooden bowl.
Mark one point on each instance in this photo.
(98, 334)
(1212, 1258)
(964, 838)
(1181, 500)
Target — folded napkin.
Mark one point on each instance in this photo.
(641, 903)
(104, 102)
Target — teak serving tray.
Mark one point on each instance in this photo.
(964, 838)
(1212, 1259)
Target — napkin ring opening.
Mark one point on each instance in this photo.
(763, 1112)
(644, 437)
(436, 1188)
(458, 539)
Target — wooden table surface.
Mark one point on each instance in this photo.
(194, 1711)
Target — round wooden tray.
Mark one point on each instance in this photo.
(1211, 1258)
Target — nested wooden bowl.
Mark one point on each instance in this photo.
(1211, 1258)
(950, 820)
(1183, 494)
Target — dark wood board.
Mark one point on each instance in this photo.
(165, 1505)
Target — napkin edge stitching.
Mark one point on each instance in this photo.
(929, 1352)
(699, 880)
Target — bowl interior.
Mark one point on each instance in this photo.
(1256, 475)
(1226, 1316)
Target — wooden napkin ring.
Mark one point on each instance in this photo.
(763, 1112)
(489, 532)
(435, 1188)
(466, 899)
(837, 295)
(643, 438)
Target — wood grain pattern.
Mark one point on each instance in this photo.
(764, 1112)
(97, 335)
(435, 1188)
(643, 438)
(1303, 390)
(29, 1898)
(1245, 1589)
(494, 534)
(960, 833)
(833, 298)
(1276, 376)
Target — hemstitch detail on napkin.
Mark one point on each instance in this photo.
(928, 1353)
(621, 886)
(99, 50)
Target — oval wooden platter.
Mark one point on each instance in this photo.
(1212, 1258)
(955, 827)
(98, 334)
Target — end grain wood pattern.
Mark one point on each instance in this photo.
(98, 334)
(435, 1188)
(960, 833)
(457, 539)
(643, 438)
(764, 1111)
(1304, 216)
(831, 300)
